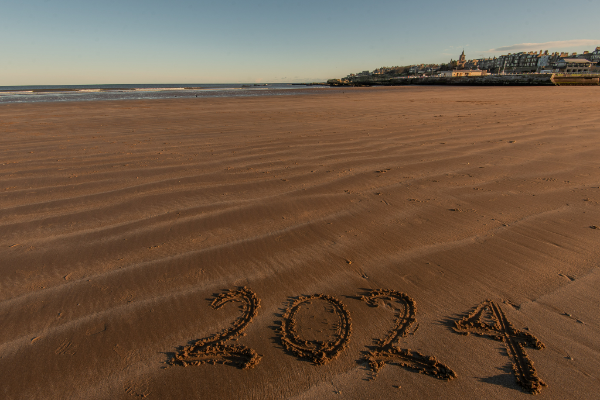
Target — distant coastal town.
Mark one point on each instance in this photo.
(556, 65)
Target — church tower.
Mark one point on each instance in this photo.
(462, 60)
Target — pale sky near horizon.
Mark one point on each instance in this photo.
(54, 42)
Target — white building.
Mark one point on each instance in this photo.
(574, 65)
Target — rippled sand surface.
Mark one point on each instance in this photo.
(122, 222)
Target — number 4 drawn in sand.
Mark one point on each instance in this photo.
(514, 340)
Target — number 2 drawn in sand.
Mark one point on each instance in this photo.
(514, 341)
(213, 350)
(388, 350)
(320, 352)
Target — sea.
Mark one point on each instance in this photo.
(57, 93)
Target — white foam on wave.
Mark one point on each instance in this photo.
(16, 93)
(181, 89)
(156, 89)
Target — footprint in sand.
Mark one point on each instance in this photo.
(66, 347)
(137, 389)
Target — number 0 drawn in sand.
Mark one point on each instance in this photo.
(514, 340)
(388, 350)
(319, 352)
(213, 350)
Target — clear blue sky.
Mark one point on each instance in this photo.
(222, 41)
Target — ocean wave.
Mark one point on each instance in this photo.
(136, 92)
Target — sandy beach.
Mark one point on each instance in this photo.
(318, 246)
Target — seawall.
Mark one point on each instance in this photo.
(487, 80)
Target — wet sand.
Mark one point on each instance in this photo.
(335, 245)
